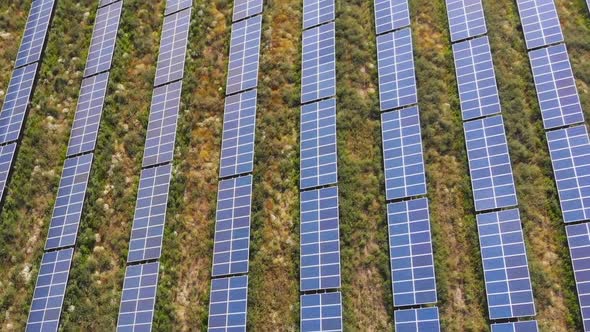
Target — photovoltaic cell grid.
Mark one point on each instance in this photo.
(478, 91)
(318, 144)
(578, 237)
(397, 80)
(35, 32)
(321, 312)
(316, 12)
(466, 19)
(320, 240)
(237, 145)
(231, 247)
(63, 229)
(556, 87)
(150, 214)
(108, 2)
(506, 271)
(524, 326)
(244, 55)
(161, 130)
(417, 320)
(170, 66)
(228, 304)
(391, 15)
(6, 157)
(318, 74)
(16, 102)
(138, 298)
(50, 290)
(246, 8)
(489, 164)
(540, 22)
(173, 6)
(402, 154)
(102, 45)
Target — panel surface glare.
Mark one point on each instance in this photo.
(170, 66)
(540, 22)
(525, 326)
(172, 6)
(391, 15)
(35, 32)
(417, 320)
(318, 74)
(16, 101)
(244, 54)
(228, 304)
(104, 36)
(466, 19)
(6, 158)
(578, 238)
(321, 312)
(138, 298)
(316, 12)
(246, 8)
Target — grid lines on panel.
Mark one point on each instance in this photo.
(540, 22)
(228, 304)
(35, 32)
(103, 3)
(244, 53)
(417, 320)
(138, 297)
(391, 15)
(102, 45)
(172, 6)
(16, 101)
(6, 158)
(523, 326)
(578, 237)
(316, 12)
(466, 19)
(321, 312)
(246, 8)
(170, 66)
(318, 74)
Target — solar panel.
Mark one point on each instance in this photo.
(49, 291)
(35, 33)
(540, 22)
(397, 80)
(318, 162)
(161, 130)
(506, 270)
(556, 87)
(102, 44)
(228, 304)
(578, 237)
(320, 239)
(138, 297)
(316, 12)
(170, 65)
(321, 312)
(239, 122)
(244, 55)
(489, 164)
(103, 3)
(173, 6)
(88, 113)
(417, 320)
(570, 155)
(150, 214)
(402, 154)
(63, 229)
(6, 157)
(466, 19)
(525, 326)
(476, 78)
(246, 8)
(17, 100)
(232, 226)
(318, 73)
(391, 15)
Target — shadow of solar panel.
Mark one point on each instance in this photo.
(138, 298)
(63, 229)
(173, 6)
(246, 8)
(540, 22)
(239, 123)
(525, 326)
(489, 164)
(570, 155)
(476, 79)
(506, 270)
(15, 105)
(417, 320)
(578, 237)
(316, 12)
(150, 214)
(318, 162)
(397, 80)
(161, 130)
(228, 304)
(320, 240)
(231, 246)
(6, 158)
(35, 33)
(391, 15)
(104, 35)
(318, 69)
(244, 52)
(321, 312)
(556, 87)
(50, 290)
(170, 66)
(466, 19)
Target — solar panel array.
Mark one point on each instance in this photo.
(524, 326)
(417, 320)
(578, 238)
(246, 8)
(540, 22)
(244, 54)
(321, 312)
(6, 157)
(318, 69)
(173, 6)
(35, 35)
(16, 103)
(317, 12)
(228, 304)
(466, 19)
(138, 297)
(102, 44)
(173, 43)
(391, 15)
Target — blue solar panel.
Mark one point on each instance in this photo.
(489, 164)
(320, 239)
(161, 131)
(170, 66)
(172, 6)
(239, 123)
(556, 87)
(525, 326)
(506, 270)
(35, 32)
(466, 19)
(244, 53)
(578, 237)
(63, 229)
(150, 214)
(540, 22)
(321, 312)
(570, 155)
(318, 73)
(15, 105)
(6, 158)
(102, 45)
(402, 154)
(246, 8)
(138, 298)
(318, 160)
(228, 304)
(49, 291)
(476, 78)
(417, 320)
(232, 226)
(103, 3)
(391, 15)
(397, 80)
(316, 12)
